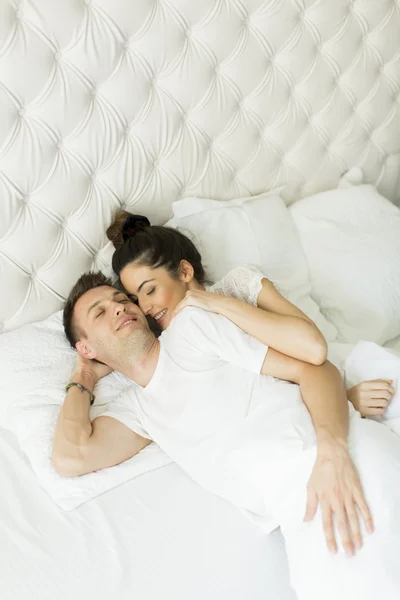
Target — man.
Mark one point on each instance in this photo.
(204, 395)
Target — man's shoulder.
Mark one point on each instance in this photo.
(129, 394)
(189, 320)
(189, 313)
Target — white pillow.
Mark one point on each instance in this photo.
(36, 362)
(351, 238)
(256, 230)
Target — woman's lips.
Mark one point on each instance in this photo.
(162, 314)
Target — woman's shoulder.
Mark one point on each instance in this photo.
(240, 273)
(243, 282)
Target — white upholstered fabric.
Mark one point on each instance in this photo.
(108, 103)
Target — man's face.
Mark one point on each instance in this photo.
(111, 324)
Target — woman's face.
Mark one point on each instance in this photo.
(156, 292)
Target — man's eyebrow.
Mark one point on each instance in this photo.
(116, 293)
(143, 282)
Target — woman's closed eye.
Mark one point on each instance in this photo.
(151, 291)
(100, 313)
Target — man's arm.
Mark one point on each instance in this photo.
(81, 446)
(334, 483)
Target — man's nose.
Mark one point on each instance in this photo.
(118, 309)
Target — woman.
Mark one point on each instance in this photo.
(162, 270)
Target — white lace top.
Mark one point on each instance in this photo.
(243, 283)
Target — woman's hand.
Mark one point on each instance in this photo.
(201, 299)
(335, 486)
(371, 398)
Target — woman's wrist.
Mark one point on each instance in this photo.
(327, 442)
(227, 305)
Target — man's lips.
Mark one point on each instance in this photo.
(127, 322)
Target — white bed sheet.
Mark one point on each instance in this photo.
(157, 536)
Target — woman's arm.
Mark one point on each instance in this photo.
(277, 323)
(334, 484)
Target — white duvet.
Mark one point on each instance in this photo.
(158, 536)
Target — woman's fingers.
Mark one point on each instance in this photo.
(354, 522)
(373, 412)
(312, 505)
(343, 525)
(377, 403)
(179, 307)
(378, 384)
(380, 394)
(364, 510)
(327, 524)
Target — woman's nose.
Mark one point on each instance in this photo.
(146, 307)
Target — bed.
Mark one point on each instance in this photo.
(138, 104)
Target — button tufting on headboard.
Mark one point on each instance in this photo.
(108, 104)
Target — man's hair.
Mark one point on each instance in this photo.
(85, 283)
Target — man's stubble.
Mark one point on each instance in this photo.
(121, 354)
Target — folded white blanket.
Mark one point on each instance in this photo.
(369, 361)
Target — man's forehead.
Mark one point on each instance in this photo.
(97, 294)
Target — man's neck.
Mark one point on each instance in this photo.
(142, 369)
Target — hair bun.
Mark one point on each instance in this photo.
(133, 224)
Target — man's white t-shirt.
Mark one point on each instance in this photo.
(210, 410)
(243, 283)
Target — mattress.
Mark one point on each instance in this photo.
(157, 536)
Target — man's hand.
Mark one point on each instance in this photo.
(89, 370)
(371, 398)
(336, 486)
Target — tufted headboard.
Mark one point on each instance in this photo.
(137, 103)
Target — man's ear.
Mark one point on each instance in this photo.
(186, 273)
(85, 350)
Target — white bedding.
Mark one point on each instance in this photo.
(157, 536)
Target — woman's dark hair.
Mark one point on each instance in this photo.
(136, 240)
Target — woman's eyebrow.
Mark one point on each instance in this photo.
(143, 282)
